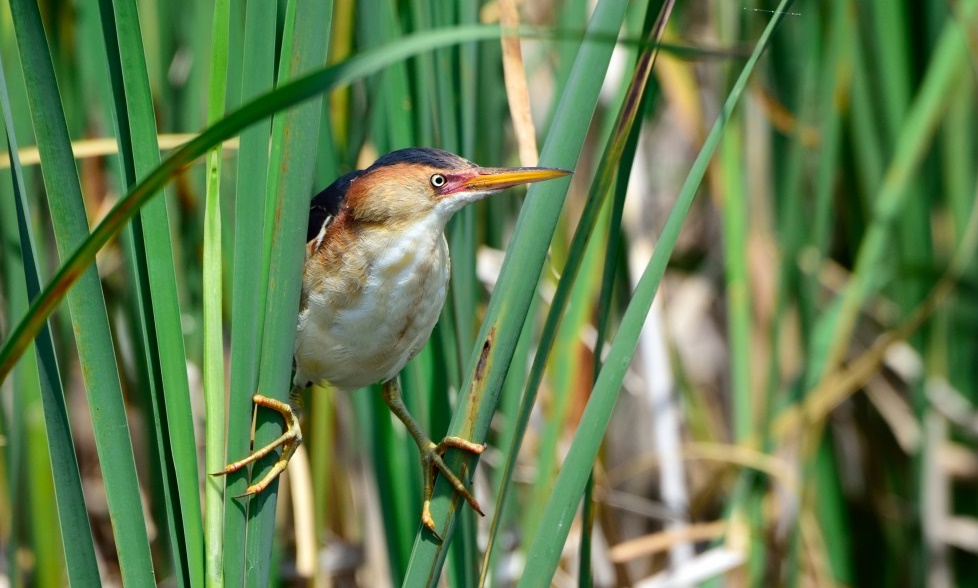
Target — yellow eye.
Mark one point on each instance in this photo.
(438, 180)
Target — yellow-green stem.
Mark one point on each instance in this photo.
(213, 367)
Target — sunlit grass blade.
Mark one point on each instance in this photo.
(544, 552)
(735, 222)
(213, 361)
(76, 531)
(88, 313)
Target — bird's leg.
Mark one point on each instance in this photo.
(288, 441)
(431, 453)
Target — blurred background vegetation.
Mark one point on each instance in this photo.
(801, 404)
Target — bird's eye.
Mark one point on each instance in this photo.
(438, 180)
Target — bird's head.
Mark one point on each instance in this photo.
(409, 185)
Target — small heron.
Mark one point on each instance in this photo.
(374, 283)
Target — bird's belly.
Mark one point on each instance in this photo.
(356, 339)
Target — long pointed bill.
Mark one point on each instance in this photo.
(491, 179)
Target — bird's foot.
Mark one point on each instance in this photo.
(431, 454)
(288, 441)
(431, 460)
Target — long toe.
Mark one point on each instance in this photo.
(436, 461)
(289, 441)
(460, 443)
(283, 441)
(288, 450)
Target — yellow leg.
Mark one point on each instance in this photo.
(431, 454)
(288, 441)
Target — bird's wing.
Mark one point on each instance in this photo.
(326, 205)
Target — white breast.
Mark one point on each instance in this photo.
(371, 339)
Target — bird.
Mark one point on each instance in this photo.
(374, 283)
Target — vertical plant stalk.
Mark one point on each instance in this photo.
(735, 205)
(516, 89)
(246, 313)
(294, 139)
(213, 368)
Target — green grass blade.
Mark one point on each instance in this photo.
(544, 552)
(213, 369)
(259, 54)
(889, 22)
(447, 106)
(735, 220)
(293, 149)
(912, 230)
(45, 523)
(76, 532)
(88, 312)
(424, 83)
(396, 107)
(155, 288)
(835, 81)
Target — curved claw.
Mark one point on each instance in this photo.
(459, 443)
(288, 441)
(431, 460)
(431, 453)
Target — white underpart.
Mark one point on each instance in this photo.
(371, 340)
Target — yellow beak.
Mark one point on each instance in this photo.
(485, 179)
